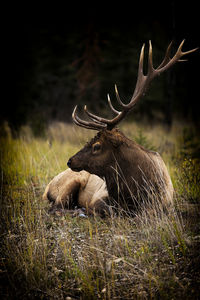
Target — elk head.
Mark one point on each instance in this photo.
(110, 148)
(98, 153)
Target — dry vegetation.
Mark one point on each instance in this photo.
(151, 256)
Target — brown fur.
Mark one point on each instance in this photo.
(133, 174)
(69, 189)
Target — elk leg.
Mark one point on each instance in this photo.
(69, 196)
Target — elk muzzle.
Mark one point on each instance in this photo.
(75, 163)
(69, 163)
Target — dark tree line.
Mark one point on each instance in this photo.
(77, 59)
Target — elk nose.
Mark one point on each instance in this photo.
(69, 163)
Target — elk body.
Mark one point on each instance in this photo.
(70, 189)
(134, 176)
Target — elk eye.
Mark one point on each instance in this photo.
(96, 147)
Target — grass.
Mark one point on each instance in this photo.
(152, 256)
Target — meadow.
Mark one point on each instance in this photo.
(152, 256)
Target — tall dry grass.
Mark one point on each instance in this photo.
(150, 256)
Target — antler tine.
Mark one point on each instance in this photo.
(118, 97)
(140, 77)
(111, 107)
(100, 120)
(165, 65)
(86, 124)
(167, 57)
(97, 119)
(150, 61)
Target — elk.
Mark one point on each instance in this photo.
(71, 189)
(134, 176)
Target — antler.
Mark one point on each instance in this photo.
(143, 81)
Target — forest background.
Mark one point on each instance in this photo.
(58, 57)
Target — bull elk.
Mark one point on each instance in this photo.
(134, 175)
